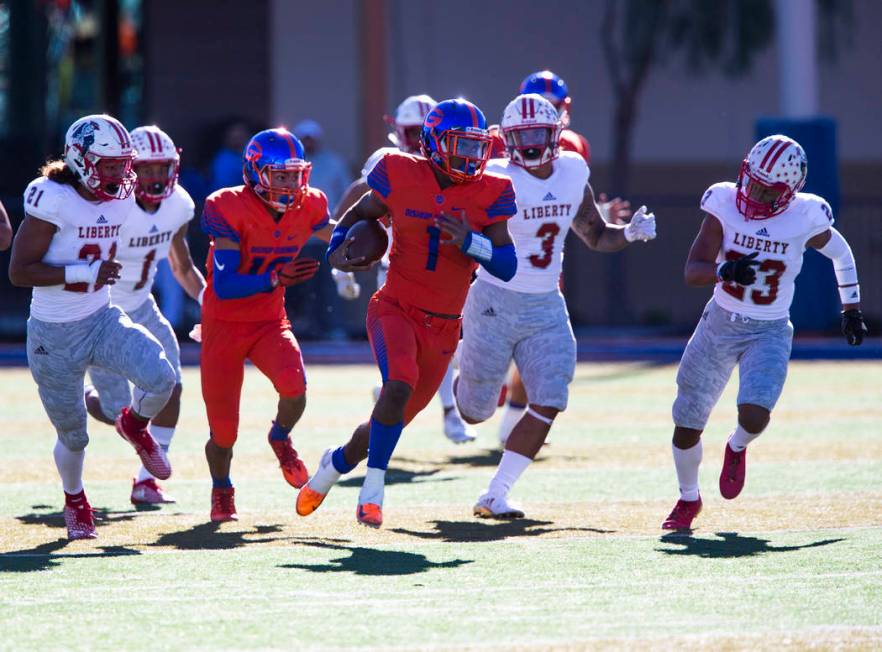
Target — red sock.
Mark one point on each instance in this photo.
(133, 421)
(73, 500)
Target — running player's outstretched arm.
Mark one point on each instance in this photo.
(701, 264)
(599, 235)
(834, 246)
(186, 273)
(27, 269)
(5, 229)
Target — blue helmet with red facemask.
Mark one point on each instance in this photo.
(269, 153)
(552, 88)
(456, 141)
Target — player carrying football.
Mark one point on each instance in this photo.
(257, 231)
(750, 247)
(408, 123)
(413, 321)
(65, 250)
(525, 318)
(156, 229)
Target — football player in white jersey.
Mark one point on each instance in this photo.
(155, 230)
(65, 250)
(750, 248)
(526, 317)
(408, 124)
(5, 229)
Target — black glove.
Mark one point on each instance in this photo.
(853, 326)
(741, 270)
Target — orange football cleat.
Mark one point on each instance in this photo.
(370, 514)
(308, 500)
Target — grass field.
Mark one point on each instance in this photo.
(795, 562)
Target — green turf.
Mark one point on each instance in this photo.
(796, 561)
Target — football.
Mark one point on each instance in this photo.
(369, 240)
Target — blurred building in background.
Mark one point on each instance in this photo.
(199, 68)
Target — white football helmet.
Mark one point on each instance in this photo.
(93, 142)
(531, 128)
(153, 145)
(408, 122)
(773, 172)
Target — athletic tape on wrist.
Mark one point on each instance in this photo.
(77, 274)
(850, 294)
(479, 247)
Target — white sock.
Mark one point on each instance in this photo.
(70, 467)
(740, 438)
(324, 477)
(163, 436)
(507, 473)
(687, 461)
(510, 417)
(445, 391)
(373, 488)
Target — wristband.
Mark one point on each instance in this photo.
(338, 237)
(78, 274)
(477, 246)
(850, 294)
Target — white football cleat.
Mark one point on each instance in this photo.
(489, 506)
(457, 430)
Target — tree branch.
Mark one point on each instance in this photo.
(610, 53)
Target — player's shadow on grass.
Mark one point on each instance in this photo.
(399, 476)
(43, 557)
(373, 561)
(485, 458)
(210, 536)
(491, 530)
(56, 518)
(729, 544)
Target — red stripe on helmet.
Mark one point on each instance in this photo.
(532, 109)
(548, 85)
(120, 134)
(776, 156)
(474, 115)
(774, 146)
(153, 144)
(524, 106)
(292, 148)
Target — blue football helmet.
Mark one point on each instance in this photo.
(552, 88)
(271, 154)
(456, 141)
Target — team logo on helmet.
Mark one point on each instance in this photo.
(84, 135)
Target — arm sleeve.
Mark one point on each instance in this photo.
(215, 224)
(229, 283)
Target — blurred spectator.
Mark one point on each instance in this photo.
(226, 168)
(330, 173)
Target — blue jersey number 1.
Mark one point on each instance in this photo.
(434, 243)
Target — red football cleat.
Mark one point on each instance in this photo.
(223, 505)
(79, 519)
(682, 515)
(134, 431)
(148, 492)
(370, 514)
(293, 467)
(733, 473)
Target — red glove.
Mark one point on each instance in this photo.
(294, 273)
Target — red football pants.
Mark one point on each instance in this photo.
(226, 345)
(412, 347)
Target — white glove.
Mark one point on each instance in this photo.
(196, 333)
(83, 273)
(347, 287)
(641, 226)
